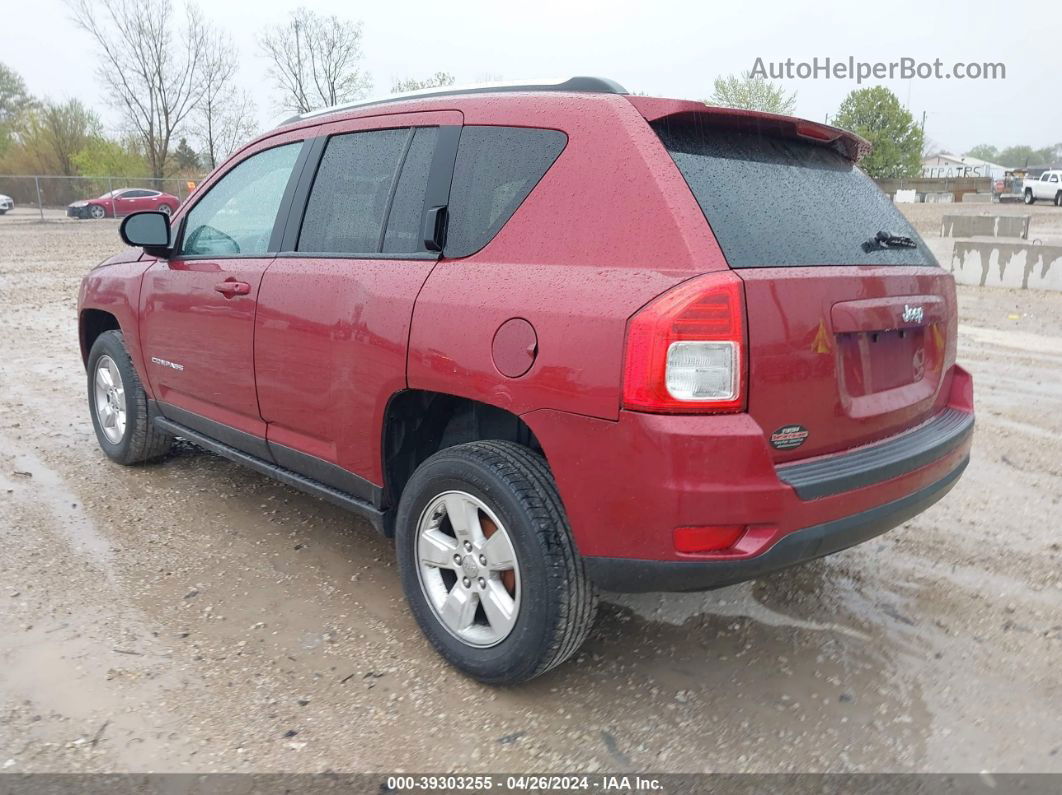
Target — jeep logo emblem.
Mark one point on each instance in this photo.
(912, 314)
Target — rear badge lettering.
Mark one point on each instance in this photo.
(913, 314)
(789, 437)
(166, 363)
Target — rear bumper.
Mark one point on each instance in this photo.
(631, 575)
(627, 485)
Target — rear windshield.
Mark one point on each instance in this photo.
(786, 202)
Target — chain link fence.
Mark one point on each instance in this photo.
(50, 196)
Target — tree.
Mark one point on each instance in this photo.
(437, 80)
(225, 117)
(51, 136)
(226, 127)
(15, 102)
(877, 115)
(14, 98)
(751, 93)
(1020, 156)
(315, 60)
(66, 128)
(984, 152)
(104, 157)
(185, 158)
(151, 67)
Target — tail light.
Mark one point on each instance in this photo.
(686, 350)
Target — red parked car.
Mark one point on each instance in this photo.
(119, 203)
(553, 338)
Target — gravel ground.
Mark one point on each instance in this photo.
(193, 616)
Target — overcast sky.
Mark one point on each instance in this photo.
(665, 49)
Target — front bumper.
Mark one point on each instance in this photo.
(628, 484)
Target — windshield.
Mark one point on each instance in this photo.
(786, 202)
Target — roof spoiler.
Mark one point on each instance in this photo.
(848, 144)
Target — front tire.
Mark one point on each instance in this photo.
(488, 563)
(97, 212)
(1058, 199)
(118, 405)
(1029, 198)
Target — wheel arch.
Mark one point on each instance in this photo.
(92, 323)
(418, 423)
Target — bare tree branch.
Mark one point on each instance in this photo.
(315, 60)
(153, 69)
(437, 80)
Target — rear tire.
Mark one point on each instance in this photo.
(118, 405)
(502, 486)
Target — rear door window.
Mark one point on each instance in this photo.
(407, 208)
(496, 169)
(349, 199)
(774, 202)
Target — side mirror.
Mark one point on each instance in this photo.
(150, 230)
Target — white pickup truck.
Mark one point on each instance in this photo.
(1047, 188)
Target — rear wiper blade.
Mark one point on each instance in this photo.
(885, 239)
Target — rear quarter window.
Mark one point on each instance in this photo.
(496, 169)
(773, 201)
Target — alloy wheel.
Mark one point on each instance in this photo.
(467, 568)
(110, 399)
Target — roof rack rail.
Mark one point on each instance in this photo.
(598, 85)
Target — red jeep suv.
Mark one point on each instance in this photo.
(552, 338)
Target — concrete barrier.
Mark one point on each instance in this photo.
(956, 186)
(977, 198)
(905, 196)
(1016, 226)
(939, 197)
(1000, 264)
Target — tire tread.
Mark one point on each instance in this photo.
(147, 442)
(569, 592)
(539, 491)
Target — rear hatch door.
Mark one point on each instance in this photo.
(851, 322)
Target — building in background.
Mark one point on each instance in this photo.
(948, 166)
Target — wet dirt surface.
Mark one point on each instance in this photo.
(191, 615)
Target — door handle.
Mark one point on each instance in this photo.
(229, 289)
